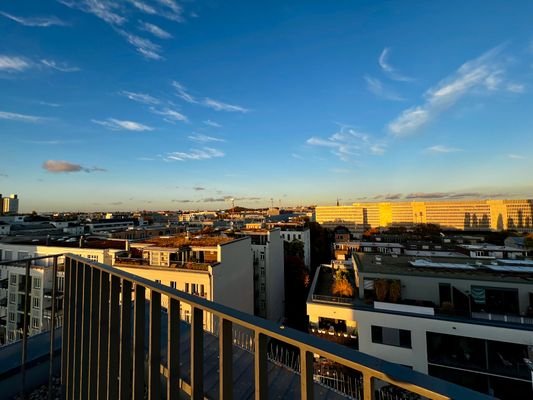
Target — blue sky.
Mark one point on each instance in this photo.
(159, 104)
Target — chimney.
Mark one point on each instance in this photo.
(81, 241)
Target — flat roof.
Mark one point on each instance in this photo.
(490, 247)
(443, 267)
(182, 240)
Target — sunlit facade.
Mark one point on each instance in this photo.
(466, 214)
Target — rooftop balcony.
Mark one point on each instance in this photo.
(117, 340)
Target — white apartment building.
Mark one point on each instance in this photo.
(449, 317)
(268, 272)
(291, 231)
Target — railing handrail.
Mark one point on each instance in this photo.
(387, 371)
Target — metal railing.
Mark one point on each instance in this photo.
(333, 299)
(103, 343)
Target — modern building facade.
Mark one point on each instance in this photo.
(10, 204)
(466, 214)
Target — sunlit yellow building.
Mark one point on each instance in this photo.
(464, 214)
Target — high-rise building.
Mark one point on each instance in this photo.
(10, 205)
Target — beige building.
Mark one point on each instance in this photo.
(465, 214)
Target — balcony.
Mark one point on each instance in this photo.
(115, 343)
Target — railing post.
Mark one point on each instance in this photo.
(125, 341)
(66, 332)
(154, 347)
(85, 331)
(25, 328)
(261, 367)
(368, 393)
(114, 339)
(95, 321)
(77, 330)
(138, 342)
(197, 354)
(173, 349)
(52, 329)
(306, 374)
(225, 348)
(103, 335)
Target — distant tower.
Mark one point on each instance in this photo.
(337, 201)
(10, 205)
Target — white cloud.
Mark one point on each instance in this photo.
(102, 9)
(41, 22)
(146, 8)
(20, 117)
(166, 9)
(145, 47)
(204, 153)
(515, 88)
(140, 97)
(516, 156)
(483, 73)
(182, 93)
(116, 125)
(154, 30)
(58, 166)
(13, 64)
(220, 106)
(212, 123)
(171, 115)
(439, 148)
(59, 67)
(376, 87)
(389, 69)
(198, 137)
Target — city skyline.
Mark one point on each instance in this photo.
(167, 105)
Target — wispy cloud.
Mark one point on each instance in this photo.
(200, 138)
(2, 175)
(169, 114)
(516, 156)
(439, 148)
(516, 88)
(166, 9)
(145, 47)
(41, 22)
(220, 106)
(212, 123)
(348, 143)
(204, 153)
(198, 188)
(485, 73)
(13, 64)
(57, 166)
(376, 87)
(20, 117)
(63, 67)
(104, 10)
(182, 93)
(117, 124)
(297, 156)
(51, 142)
(154, 30)
(388, 69)
(424, 195)
(140, 97)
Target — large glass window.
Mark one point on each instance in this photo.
(391, 336)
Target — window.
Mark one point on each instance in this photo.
(194, 288)
(36, 283)
(391, 336)
(158, 281)
(36, 302)
(173, 284)
(13, 279)
(202, 290)
(11, 317)
(187, 287)
(8, 255)
(35, 323)
(92, 257)
(12, 298)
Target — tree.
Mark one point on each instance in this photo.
(341, 286)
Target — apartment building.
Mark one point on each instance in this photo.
(291, 231)
(453, 318)
(466, 214)
(10, 204)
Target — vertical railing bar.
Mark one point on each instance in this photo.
(95, 321)
(65, 337)
(77, 331)
(114, 339)
(306, 374)
(260, 367)
(72, 329)
(125, 342)
(225, 349)
(138, 342)
(85, 332)
(367, 386)
(103, 336)
(25, 322)
(52, 328)
(197, 354)
(173, 349)
(154, 347)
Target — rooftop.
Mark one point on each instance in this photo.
(182, 240)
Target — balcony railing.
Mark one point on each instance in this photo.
(333, 299)
(105, 330)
